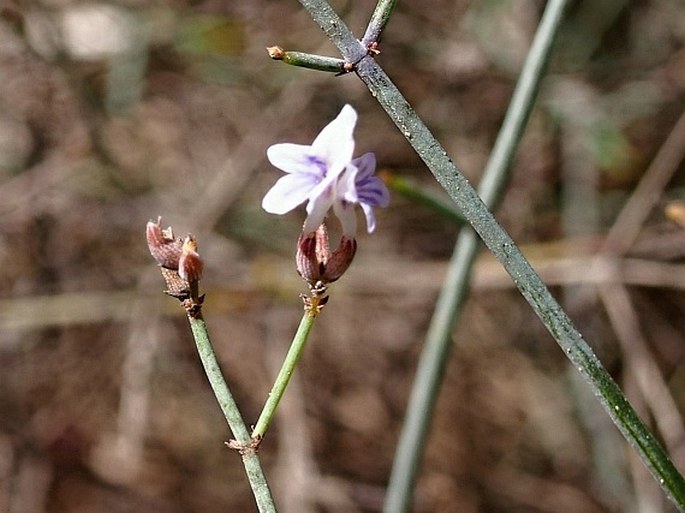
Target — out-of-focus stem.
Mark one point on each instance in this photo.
(412, 191)
(439, 337)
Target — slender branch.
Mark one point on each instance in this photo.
(503, 248)
(248, 452)
(181, 267)
(436, 350)
(528, 282)
(379, 19)
(223, 395)
(313, 306)
(307, 60)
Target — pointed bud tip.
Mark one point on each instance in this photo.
(276, 52)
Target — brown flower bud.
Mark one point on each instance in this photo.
(180, 263)
(175, 285)
(314, 260)
(163, 246)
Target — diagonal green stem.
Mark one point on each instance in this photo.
(503, 248)
(379, 19)
(436, 350)
(286, 372)
(253, 468)
(528, 282)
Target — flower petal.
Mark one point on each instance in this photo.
(348, 219)
(288, 192)
(370, 189)
(318, 206)
(346, 189)
(335, 143)
(370, 217)
(295, 158)
(366, 164)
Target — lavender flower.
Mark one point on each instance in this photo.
(325, 176)
(358, 184)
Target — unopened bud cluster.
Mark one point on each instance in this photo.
(180, 262)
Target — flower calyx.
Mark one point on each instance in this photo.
(316, 263)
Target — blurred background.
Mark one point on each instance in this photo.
(112, 114)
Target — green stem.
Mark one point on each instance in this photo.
(291, 359)
(379, 19)
(253, 468)
(308, 60)
(503, 248)
(528, 282)
(436, 350)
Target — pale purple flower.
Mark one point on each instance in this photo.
(359, 184)
(325, 175)
(312, 170)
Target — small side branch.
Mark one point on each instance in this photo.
(379, 19)
(309, 60)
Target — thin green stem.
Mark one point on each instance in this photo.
(291, 359)
(528, 282)
(307, 60)
(216, 380)
(503, 248)
(253, 467)
(379, 19)
(436, 350)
